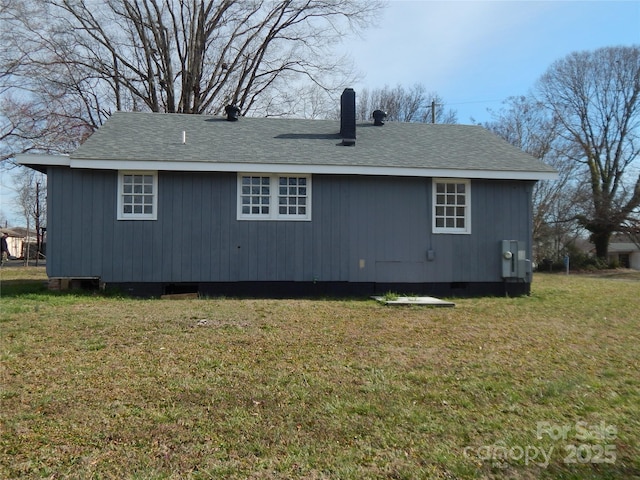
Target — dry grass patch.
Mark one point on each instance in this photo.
(97, 387)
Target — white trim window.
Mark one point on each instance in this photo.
(137, 195)
(451, 206)
(274, 197)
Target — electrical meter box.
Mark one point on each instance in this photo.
(514, 259)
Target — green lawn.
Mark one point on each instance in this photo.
(546, 386)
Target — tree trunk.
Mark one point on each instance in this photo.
(601, 241)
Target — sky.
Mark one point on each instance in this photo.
(476, 54)
(473, 54)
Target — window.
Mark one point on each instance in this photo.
(292, 196)
(256, 196)
(274, 197)
(451, 206)
(137, 195)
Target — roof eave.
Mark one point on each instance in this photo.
(41, 161)
(326, 169)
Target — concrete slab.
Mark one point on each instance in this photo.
(429, 301)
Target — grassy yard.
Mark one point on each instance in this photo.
(546, 386)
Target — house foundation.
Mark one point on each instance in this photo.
(322, 289)
(58, 284)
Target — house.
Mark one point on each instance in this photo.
(22, 242)
(165, 203)
(14, 241)
(624, 254)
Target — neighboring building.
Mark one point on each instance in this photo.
(624, 254)
(166, 203)
(22, 242)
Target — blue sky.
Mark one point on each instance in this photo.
(475, 54)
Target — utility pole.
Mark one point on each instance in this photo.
(433, 111)
(37, 212)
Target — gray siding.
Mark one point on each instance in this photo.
(363, 229)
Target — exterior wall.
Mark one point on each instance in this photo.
(634, 259)
(363, 229)
(15, 245)
(391, 231)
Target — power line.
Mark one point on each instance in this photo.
(474, 101)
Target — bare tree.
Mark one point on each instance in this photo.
(44, 102)
(31, 198)
(65, 65)
(39, 124)
(595, 97)
(632, 229)
(414, 104)
(526, 124)
(186, 56)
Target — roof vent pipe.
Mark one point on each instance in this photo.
(379, 117)
(232, 112)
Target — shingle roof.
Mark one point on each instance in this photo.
(623, 247)
(157, 137)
